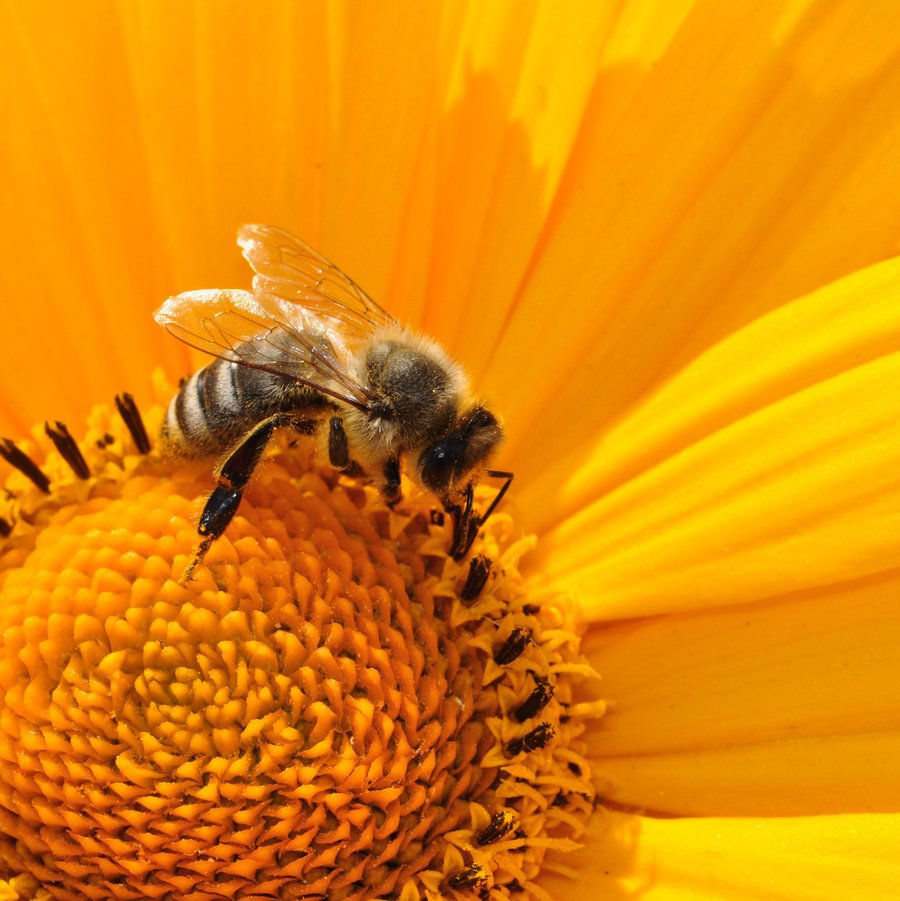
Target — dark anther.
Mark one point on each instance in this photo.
(5, 527)
(531, 609)
(472, 877)
(129, 412)
(536, 701)
(531, 741)
(513, 646)
(105, 441)
(575, 768)
(515, 886)
(479, 570)
(21, 461)
(502, 823)
(519, 834)
(437, 518)
(560, 800)
(68, 448)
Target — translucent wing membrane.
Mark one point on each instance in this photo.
(291, 270)
(251, 330)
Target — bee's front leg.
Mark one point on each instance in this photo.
(465, 524)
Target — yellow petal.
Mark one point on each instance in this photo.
(789, 859)
(747, 170)
(766, 466)
(776, 708)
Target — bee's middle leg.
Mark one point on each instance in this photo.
(390, 486)
(339, 448)
(232, 478)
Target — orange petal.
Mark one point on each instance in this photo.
(768, 465)
(521, 80)
(399, 140)
(810, 858)
(776, 708)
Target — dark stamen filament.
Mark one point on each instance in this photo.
(479, 570)
(68, 448)
(531, 741)
(129, 412)
(471, 877)
(502, 823)
(536, 701)
(514, 645)
(21, 461)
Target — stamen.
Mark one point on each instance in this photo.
(68, 449)
(502, 823)
(361, 647)
(479, 570)
(21, 461)
(129, 412)
(536, 701)
(531, 741)
(471, 877)
(513, 647)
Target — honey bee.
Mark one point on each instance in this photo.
(309, 350)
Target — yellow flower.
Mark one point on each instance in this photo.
(658, 235)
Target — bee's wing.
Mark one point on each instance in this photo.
(252, 331)
(292, 271)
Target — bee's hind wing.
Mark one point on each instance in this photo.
(292, 271)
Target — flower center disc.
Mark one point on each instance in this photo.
(331, 707)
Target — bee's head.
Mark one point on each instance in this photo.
(443, 466)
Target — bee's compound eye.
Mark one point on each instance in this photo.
(439, 464)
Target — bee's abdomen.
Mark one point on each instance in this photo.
(218, 405)
(209, 412)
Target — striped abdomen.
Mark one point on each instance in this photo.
(220, 403)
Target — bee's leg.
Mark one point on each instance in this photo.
(466, 522)
(496, 474)
(390, 487)
(232, 479)
(465, 525)
(338, 447)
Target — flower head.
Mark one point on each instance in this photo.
(332, 705)
(656, 236)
